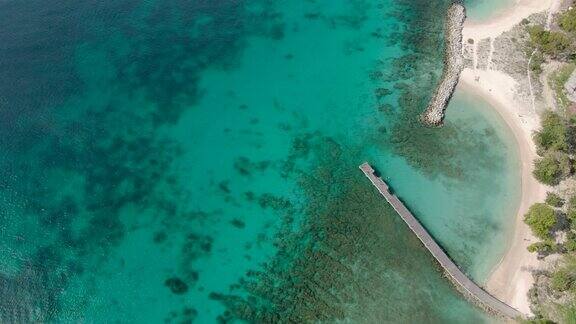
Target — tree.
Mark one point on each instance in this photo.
(554, 200)
(553, 134)
(541, 218)
(552, 168)
(547, 170)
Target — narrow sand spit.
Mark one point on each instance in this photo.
(511, 278)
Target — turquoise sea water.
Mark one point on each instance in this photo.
(175, 161)
(479, 10)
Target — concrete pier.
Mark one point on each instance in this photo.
(463, 283)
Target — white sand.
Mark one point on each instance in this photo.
(506, 19)
(511, 278)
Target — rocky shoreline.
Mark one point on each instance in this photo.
(453, 66)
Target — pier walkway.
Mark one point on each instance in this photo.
(455, 274)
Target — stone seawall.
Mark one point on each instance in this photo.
(453, 66)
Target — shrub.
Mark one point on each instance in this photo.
(552, 168)
(549, 42)
(557, 80)
(564, 163)
(541, 247)
(552, 136)
(569, 313)
(572, 202)
(568, 21)
(536, 63)
(561, 281)
(541, 218)
(571, 215)
(570, 245)
(554, 200)
(537, 321)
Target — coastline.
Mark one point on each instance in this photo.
(511, 279)
(505, 19)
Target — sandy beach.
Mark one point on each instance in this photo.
(506, 19)
(511, 279)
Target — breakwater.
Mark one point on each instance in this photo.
(460, 280)
(453, 66)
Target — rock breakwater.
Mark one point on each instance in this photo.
(453, 66)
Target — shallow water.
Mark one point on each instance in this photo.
(168, 161)
(478, 10)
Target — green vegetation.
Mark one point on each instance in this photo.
(545, 247)
(552, 43)
(553, 135)
(552, 168)
(571, 212)
(537, 321)
(557, 80)
(541, 218)
(569, 314)
(553, 295)
(556, 44)
(570, 245)
(572, 202)
(561, 280)
(554, 200)
(571, 215)
(536, 63)
(567, 21)
(565, 276)
(554, 142)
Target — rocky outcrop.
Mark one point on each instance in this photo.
(453, 66)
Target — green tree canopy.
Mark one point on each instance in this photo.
(553, 135)
(552, 168)
(541, 218)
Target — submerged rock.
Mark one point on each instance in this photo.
(176, 285)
